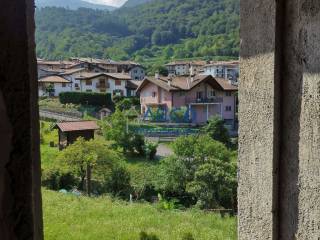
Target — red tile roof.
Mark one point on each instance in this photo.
(77, 126)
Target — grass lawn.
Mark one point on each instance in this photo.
(81, 218)
(48, 154)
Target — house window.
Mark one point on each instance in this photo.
(212, 93)
(199, 95)
(89, 90)
(76, 85)
(64, 85)
(228, 108)
(154, 94)
(118, 83)
(228, 94)
(88, 82)
(182, 94)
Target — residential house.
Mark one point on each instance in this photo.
(203, 95)
(53, 86)
(96, 65)
(137, 72)
(227, 70)
(114, 83)
(184, 68)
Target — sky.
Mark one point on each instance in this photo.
(116, 3)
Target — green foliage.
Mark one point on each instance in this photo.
(127, 103)
(150, 149)
(167, 205)
(217, 131)
(164, 30)
(202, 167)
(188, 236)
(118, 184)
(49, 89)
(96, 154)
(115, 129)
(94, 99)
(56, 179)
(146, 236)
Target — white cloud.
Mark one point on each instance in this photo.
(116, 3)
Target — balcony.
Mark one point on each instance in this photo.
(102, 85)
(204, 100)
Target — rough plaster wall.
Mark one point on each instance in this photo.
(20, 202)
(257, 114)
(279, 155)
(300, 155)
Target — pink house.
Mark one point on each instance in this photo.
(203, 96)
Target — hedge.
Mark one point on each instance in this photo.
(93, 99)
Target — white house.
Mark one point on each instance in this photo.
(184, 68)
(113, 83)
(53, 86)
(226, 70)
(137, 72)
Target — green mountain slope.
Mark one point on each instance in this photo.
(133, 3)
(160, 30)
(71, 4)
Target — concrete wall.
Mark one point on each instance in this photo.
(20, 198)
(279, 157)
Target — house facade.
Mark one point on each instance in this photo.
(201, 96)
(113, 83)
(226, 70)
(53, 86)
(183, 68)
(137, 73)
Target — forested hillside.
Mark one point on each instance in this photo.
(133, 3)
(71, 4)
(159, 30)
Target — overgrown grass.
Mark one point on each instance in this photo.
(79, 218)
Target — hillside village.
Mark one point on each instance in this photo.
(206, 89)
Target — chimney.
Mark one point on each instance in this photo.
(157, 75)
(192, 71)
(169, 81)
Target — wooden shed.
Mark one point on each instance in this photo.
(69, 132)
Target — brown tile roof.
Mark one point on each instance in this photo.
(186, 83)
(133, 84)
(77, 126)
(89, 75)
(223, 63)
(194, 63)
(53, 79)
(72, 71)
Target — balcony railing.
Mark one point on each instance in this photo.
(204, 100)
(103, 86)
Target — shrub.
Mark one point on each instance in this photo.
(150, 149)
(94, 99)
(188, 236)
(146, 236)
(118, 184)
(55, 179)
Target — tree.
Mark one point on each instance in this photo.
(217, 131)
(116, 128)
(201, 169)
(85, 158)
(49, 89)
